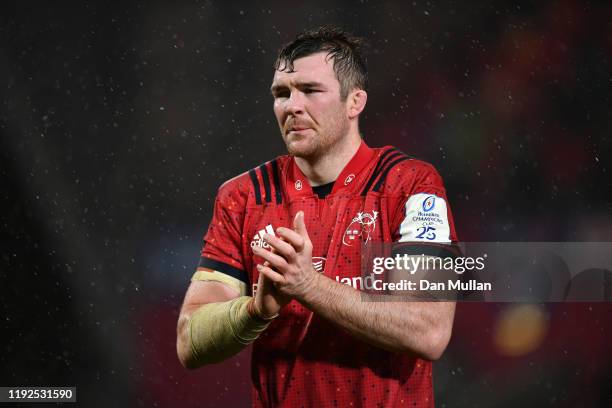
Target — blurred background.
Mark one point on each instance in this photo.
(119, 121)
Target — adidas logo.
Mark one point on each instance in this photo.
(258, 240)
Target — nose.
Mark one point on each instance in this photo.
(295, 104)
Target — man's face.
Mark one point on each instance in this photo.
(307, 105)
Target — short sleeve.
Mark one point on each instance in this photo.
(423, 219)
(221, 256)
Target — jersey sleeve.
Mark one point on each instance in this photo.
(221, 257)
(423, 222)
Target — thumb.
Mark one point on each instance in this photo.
(299, 226)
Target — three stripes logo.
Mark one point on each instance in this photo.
(388, 160)
(266, 176)
(318, 263)
(258, 240)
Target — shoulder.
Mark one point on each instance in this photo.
(403, 174)
(261, 183)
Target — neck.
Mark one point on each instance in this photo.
(327, 167)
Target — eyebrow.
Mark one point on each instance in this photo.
(300, 85)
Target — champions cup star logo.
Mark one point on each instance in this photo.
(349, 178)
(429, 203)
(360, 227)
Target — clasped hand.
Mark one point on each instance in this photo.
(289, 265)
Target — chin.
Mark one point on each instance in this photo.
(301, 148)
(302, 153)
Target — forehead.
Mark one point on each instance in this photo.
(316, 67)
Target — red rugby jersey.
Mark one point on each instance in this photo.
(302, 359)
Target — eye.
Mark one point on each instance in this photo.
(280, 94)
(310, 91)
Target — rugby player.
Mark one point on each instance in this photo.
(285, 234)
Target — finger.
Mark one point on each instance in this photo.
(276, 261)
(299, 226)
(270, 274)
(292, 237)
(280, 247)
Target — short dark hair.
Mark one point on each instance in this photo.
(343, 48)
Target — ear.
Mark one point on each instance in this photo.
(356, 102)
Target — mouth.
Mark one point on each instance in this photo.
(297, 129)
(296, 125)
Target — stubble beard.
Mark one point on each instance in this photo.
(322, 142)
